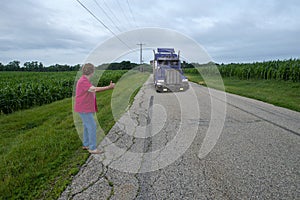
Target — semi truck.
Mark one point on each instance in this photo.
(167, 71)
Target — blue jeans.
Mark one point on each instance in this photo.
(89, 133)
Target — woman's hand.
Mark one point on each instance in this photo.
(111, 85)
(100, 89)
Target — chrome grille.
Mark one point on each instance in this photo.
(173, 77)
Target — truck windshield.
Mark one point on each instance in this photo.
(163, 62)
(168, 62)
(174, 62)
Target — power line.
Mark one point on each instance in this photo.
(136, 25)
(103, 10)
(102, 23)
(121, 8)
(113, 14)
(130, 10)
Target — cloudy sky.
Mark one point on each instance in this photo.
(64, 32)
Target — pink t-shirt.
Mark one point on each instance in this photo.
(85, 101)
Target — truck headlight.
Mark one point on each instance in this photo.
(160, 82)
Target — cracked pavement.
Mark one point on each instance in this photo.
(256, 155)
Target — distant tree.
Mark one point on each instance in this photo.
(113, 66)
(13, 66)
(51, 68)
(103, 66)
(27, 66)
(75, 67)
(124, 65)
(186, 65)
(41, 67)
(2, 67)
(33, 66)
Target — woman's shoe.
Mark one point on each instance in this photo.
(96, 151)
(85, 148)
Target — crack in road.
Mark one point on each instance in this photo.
(147, 148)
(245, 161)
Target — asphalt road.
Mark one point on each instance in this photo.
(197, 144)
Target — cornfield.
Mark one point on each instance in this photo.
(287, 70)
(23, 90)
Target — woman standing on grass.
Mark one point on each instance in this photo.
(86, 106)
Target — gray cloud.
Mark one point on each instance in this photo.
(231, 31)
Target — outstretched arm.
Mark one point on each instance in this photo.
(100, 89)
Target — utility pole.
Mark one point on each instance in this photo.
(141, 52)
(141, 56)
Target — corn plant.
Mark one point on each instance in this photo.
(23, 90)
(287, 70)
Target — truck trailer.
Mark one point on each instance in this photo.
(167, 71)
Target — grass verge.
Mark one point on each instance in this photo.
(40, 148)
(280, 93)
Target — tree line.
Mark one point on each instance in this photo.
(35, 66)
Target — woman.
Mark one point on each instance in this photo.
(86, 106)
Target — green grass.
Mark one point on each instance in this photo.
(280, 93)
(41, 150)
